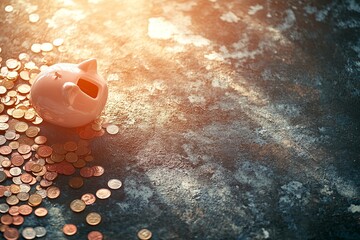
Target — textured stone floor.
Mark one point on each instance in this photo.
(239, 119)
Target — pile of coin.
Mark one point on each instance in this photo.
(29, 166)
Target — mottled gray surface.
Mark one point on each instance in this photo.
(239, 119)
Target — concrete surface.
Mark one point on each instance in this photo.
(239, 119)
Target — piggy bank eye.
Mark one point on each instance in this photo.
(57, 75)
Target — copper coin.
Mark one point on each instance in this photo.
(76, 182)
(45, 183)
(71, 157)
(50, 176)
(93, 218)
(144, 234)
(25, 209)
(44, 151)
(12, 200)
(41, 212)
(103, 193)
(11, 233)
(17, 160)
(98, 171)
(53, 192)
(6, 219)
(114, 184)
(32, 131)
(95, 235)
(69, 229)
(14, 188)
(70, 146)
(88, 198)
(14, 210)
(36, 168)
(40, 140)
(77, 205)
(5, 150)
(26, 178)
(35, 200)
(24, 149)
(68, 169)
(86, 172)
(18, 220)
(80, 163)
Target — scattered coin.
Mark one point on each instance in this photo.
(9, 8)
(144, 234)
(36, 47)
(69, 229)
(114, 184)
(58, 41)
(88, 198)
(40, 231)
(93, 218)
(77, 205)
(103, 193)
(53, 192)
(46, 47)
(41, 212)
(11, 233)
(95, 235)
(112, 129)
(76, 182)
(35, 200)
(28, 233)
(33, 18)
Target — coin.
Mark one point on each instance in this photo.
(95, 235)
(112, 129)
(70, 146)
(35, 200)
(71, 157)
(14, 210)
(18, 220)
(4, 208)
(18, 113)
(144, 234)
(23, 196)
(44, 151)
(93, 218)
(103, 193)
(69, 229)
(24, 149)
(53, 192)
(98, 171)
(11, 233)
(77, 205)
(6, 219)
(36, 48)
(41, 212)
(25, 210)
(23, 88)
(32, 131)
(29, 233)
(9, 8)
(40, 231)
(2, 176)
(86, 172)
(40, 140)
(12, 200)
(114, 184)
(76, 182)
(58, 42)
(88, 198)
(33, 18)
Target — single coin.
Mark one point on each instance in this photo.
(14, 188)
(6, 219)
(25, 209)
(15, 171)
(9, 8)
(114, 184)
(76, 182)
(10, 135)
(50, 176)
(46, 47)
(4, 208)
(98, 171)
(18, 220)
(23, 88)
(53, 192)
(3, 176)
(18, 113)
(80, 163)
(25, 75)
(103, 193)
(12, 63)
(93, 218)
(17, 160)
(95, 235)
(32, 131)
(33, 18)
(24, 149)
(23, 196)
(35, 200)
(35, 48)
(12, 200)
(29, 233)
(40, 231)
(11, 233)
(41, 212)
(144, 234)
(69, 229)
(77, 205)
(71, 157)
(86, 172)
(14, 210)
(5, 150)
(40, 140)
(88, 198)
(58, 42)
(70, 146)
(35, 168)
(112, 129)
(26, 178)
(44, 151)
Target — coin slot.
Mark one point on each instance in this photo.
(88, 87)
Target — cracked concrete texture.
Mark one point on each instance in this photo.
(239, 120)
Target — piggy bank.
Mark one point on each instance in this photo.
(69, 95)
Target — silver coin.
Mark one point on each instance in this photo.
(40, 231)
(114, 184)
(4, 208)
(29, 233)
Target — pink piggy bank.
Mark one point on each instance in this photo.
(69, 95)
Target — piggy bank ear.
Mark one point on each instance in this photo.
(89, 65)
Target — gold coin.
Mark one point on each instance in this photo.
(103, 193)
(30, 115)
(144, 234)
(21, 127)
(93, 218)
(32, 131)
(112, 129)
(18, 113)
(77, 205)
(69, 229)
(53, 192)
(33, 18)
(35, 200)
(41, 212)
